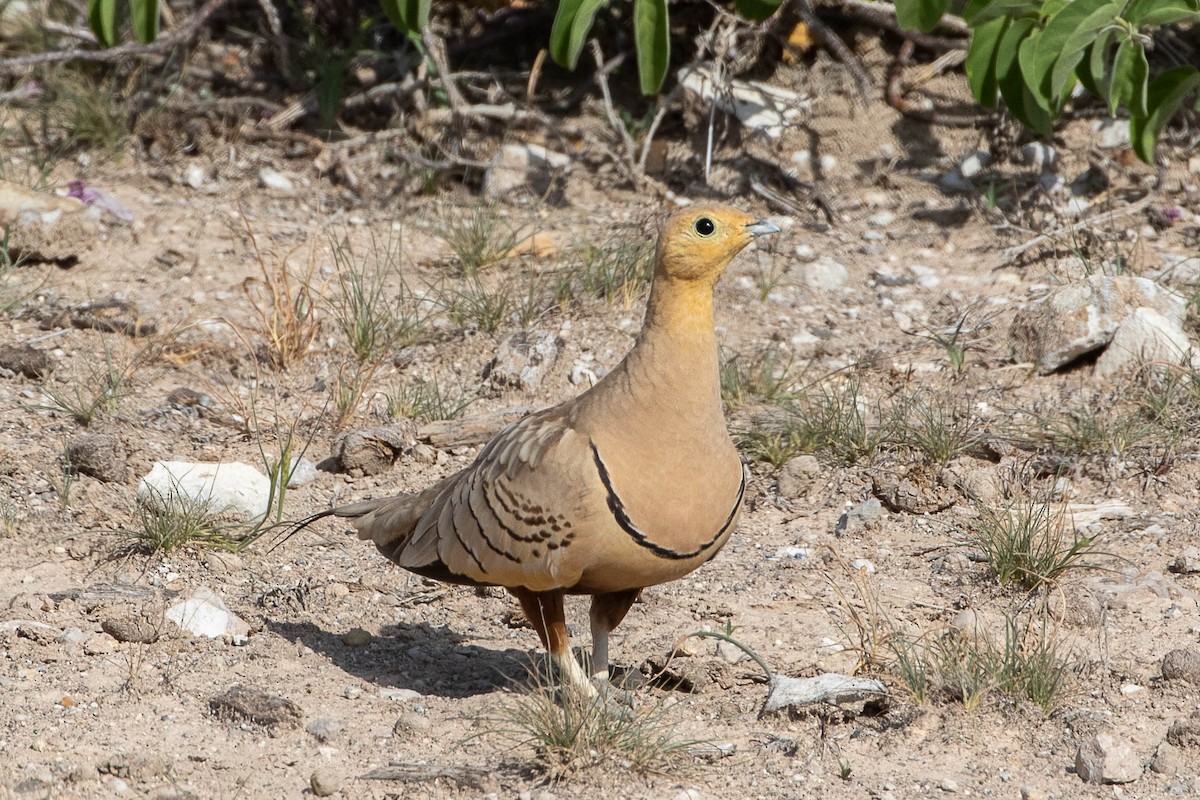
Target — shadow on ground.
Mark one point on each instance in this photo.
(421, 657)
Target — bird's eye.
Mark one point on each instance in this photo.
(705, 226)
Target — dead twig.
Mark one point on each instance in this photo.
(896, 91)
(866, 86)
(883, 15)
(614, 121)
(1100, 219)
(181, 35)
(435, 48)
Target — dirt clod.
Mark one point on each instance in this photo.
(371, 451)
(256, 706)
(99, 455)
(22, 359)
(1183, 665)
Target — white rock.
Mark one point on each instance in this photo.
(863, 565)
(275, 181)
(882, 219)
(1143, 337)
(829, 688)
(302, 471)
(1112, 133)
(1107, 759)
(791, 551)
(974, 163)
(205, 614)
(400, 695)
(194, 176)
(805, 252)
(1039, 155)
(825, 275)
(758, 106)
(518, 165)
(231, 489)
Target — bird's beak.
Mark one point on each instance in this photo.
(761, 228)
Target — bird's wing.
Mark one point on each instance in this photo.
(505, 520)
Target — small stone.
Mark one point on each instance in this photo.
(863, 565)
(194, 176)
(99, 645)
(1187, 562)
(806, 253)
(881, 219)
(974, 163)
(948, 785)
(1144, 337)
(275, 181)
(1167, 760)
(370, 451)
(410, 722)
(730, 653)
(793, 552)
(205, 614)
(302, 471)
(1182, 665)
(228, 489)
(356, 637)
(825, 275)
(324, 782)
(1039, 155)
(798, 475)
(688, 794)
(98, 455)
(1032, 793)
(518, 166)
(399, 695)
(1185, 733)
(22, 359)
(323, 729)
(256, 706)
(862, 517)
(1112, 133)
(524, 360)
(73, 636)
(1106, 759)
(691, 647)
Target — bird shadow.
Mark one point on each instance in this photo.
(428, 659)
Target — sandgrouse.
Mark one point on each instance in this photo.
(633, 483)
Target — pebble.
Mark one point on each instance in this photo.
(825, 275)
(791, 551)
(1185, 733)
(882, 219)
(974, 163)
(1106, 758)
(730, 653)
(324, 782)
(323, 729)
(352, 692)
(1187, 562)
(275, 181)
(73, 636)
(194, 176)
(356, 637)
(399, 695)
(99, 645)
(1039, 155)
(948, 785)
(863, 565)
(302, 471)
(1166, 759)
(806, 253)
(1183, 665)
(860, 518)
(1032, 793)
(691, 647)
(411, 722)
(798, 475)
(1112, 134)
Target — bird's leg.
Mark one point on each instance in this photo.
(545, 612)
(607, 612)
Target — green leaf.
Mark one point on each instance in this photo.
(1012, 83)
(981, 60)
(409, 16)
(145, 20)
(571, 26)
(1038, 67)
(1062, 74)
(1142, 13)
(1164, 97)
(1027, 56)
(652, 37)
(1130, 72)
(102, 18)
(921, 14)
(1094, 74)
(977, 13)
(757, 10)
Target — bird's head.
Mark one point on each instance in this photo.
(697, 244)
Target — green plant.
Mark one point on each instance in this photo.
(98, 391)
(166, 523)
(348, 390)
(105, 16)
(766, 376)
(427, 401)
(1032, 53)
(571, 731)
(1028, 543)
(941, 427)
(374, 307)
(478, 238)
(489, 305)
(1097, 427)
(616, 272)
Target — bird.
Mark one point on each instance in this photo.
(633, 483)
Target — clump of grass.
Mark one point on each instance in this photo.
(1170, 398)
(778, 441)
(570, 731)
(284, 305)
(616, 272)
(428, 401)
(766, 376)
(374, 307)
(167, 522)
(489, 306)
(97, 391)
(478, 238)
(939, 427)
(1029, 543)
(349, 388)
(1097, 427)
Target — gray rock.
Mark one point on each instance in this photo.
(1107, 759)
(255, 706)
(229, 489)
(798, 475)
(73, 636)
(1112, 133)
(325, 782)
(370, 451)
(974, 163)
(1167, 760)
(1039, 155)
(1185, 733)
(862, 517)
(1180, 269)
(21, 359)
(730, 653)
(323, 729)
(1187, 562)
(133, 623)
(356, 637)
(830, 688)
(399, 695)
(1182, 665)
(1080, 318)
(412, 723)
(99, 455)
(519, 165)
(825, 275)
(1144, 337)
(524, 360)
